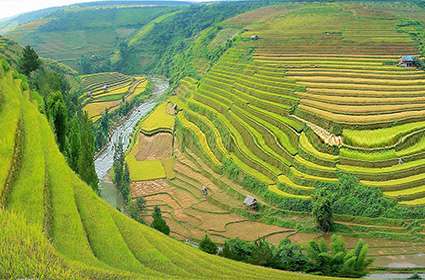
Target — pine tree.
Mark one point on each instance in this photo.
(158, 222)
(29, 61)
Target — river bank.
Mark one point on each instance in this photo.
(122, 132)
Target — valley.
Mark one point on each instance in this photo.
(283, 135)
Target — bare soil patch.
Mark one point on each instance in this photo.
(146, 188)
(158, 146)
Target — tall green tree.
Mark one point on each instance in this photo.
(73, 142)
(86, 168)
(29, 61)
(102, 133)
(322, 210)
(58, 116)
(158, 222)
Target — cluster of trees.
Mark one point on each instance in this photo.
(134, 207)
(94, 63)
(349, 197)
(72, 127)
(316, 257)
(121, 173)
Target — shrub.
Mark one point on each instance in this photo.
(207, 245)
(336, 260)
(290, 256)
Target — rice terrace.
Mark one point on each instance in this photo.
(213, 140)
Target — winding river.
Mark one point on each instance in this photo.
(105, 159)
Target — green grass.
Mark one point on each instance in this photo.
(138, 36)
(9, 121)
(102, 231)
(67, 232)
(27, 196)
(25, 251)
(145, 169)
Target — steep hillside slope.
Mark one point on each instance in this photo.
(94, 30)
(293, 106)
(61, 229)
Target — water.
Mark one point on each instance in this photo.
(104, 160)
(392, 276)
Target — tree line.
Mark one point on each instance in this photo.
(72, 128)
(317, 257)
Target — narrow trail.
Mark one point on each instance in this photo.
(105, 159)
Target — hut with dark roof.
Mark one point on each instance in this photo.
(408, 61)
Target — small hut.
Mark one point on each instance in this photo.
(408, 61)
(250, 202)
(255, 37)
(204, 191)
(90, 94)
(105, 87)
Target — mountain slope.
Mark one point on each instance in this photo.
(62, 229)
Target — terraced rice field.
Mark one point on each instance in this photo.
(191, 215)
(52, 216)
(279, 105)
(150, 156)
(107, 91)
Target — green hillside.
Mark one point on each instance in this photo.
(292, 103)
(54, 226)
(91, 31)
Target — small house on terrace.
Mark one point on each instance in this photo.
(408, 61)
(250, 202)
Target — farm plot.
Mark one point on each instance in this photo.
(107, 91)
(190, 214)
